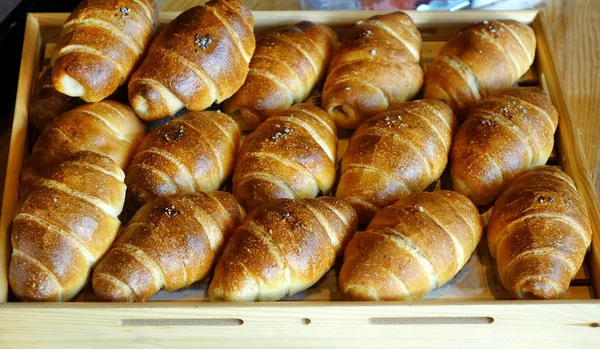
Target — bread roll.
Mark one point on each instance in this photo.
(375, 69)
(291, 155)
(286, 67)
(194, 152)
(411, 247)
(108, 128)
(482, 59)
(171, 242)
(282, 248)
(506, 134)
(47, 103)
(63, 228)
(395, 153)
(100, 45)
(539, 232)
(201, 57)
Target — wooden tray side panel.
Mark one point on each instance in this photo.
(511, 324)
(27, 76)
(570, 152)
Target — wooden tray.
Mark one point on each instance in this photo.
(441, 321)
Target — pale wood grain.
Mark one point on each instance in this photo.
(425, 324)
(570, 148)
(575, 32)
(27, 77)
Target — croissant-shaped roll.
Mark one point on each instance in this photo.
(201, 57)
(410, 248)
(195, 152)
(47, 103)
(284, 70)
(65, 225)
(171, 242)
(291, 155)
(375, 69)
(108, 128)
(539, 232)
(100, 45)
(480, 60)
(282, 248)
(395, 153)
(506, 134)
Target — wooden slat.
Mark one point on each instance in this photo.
(507, 324)
(571, 157)
(27, 77)
(583, 276)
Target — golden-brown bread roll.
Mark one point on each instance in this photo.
(47, 103)
(171, 242)
(108, 128)
(282, 248)
(194, 152)
(375, 69)
(201, 57)
(290, 155)
(539, 232)
(286, 66)
(506, 134)
(395, 153)
(100, 45)
(481, 59)
(411, 247)
(63, 228)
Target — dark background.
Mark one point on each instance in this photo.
(12, 27)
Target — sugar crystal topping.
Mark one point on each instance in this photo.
(366, 33)
(203, 41)
(281, 134)
(391, 121)
(171, 211)
(125, 11)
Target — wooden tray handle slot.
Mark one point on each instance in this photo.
(435, 320)
(181, 322)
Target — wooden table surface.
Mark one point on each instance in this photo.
(575, 29)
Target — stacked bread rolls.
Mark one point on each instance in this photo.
(100, 45)
(376, 68)
(282, 248)
(291, 155)
(108, 128)
(184, 224)
(411, 247)
(284, 70)
(201, 57)
(195, 152)
(505, 134)
(482, 59)
(395, 153)
(47, 103)
(172, 242)
(539, 232)
(64, 226)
